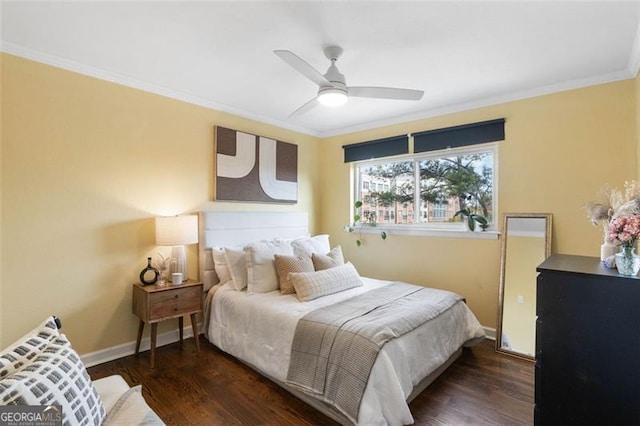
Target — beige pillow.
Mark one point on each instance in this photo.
(326, 261)
(287, 264)
(311, 285)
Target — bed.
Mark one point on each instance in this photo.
(261, 329)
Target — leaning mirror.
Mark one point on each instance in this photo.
(526, 242)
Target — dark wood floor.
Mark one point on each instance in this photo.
(212, 388)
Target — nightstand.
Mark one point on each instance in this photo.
(154, 303)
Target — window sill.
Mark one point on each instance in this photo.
(490, 234)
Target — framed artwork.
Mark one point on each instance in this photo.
(254, 168)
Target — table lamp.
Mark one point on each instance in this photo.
(176, 231)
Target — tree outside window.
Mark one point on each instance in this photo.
(446, 183)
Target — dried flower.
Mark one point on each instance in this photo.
(163, 263)
(614, 204)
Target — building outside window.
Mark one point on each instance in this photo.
(429, 188)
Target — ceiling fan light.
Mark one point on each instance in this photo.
(332, 97)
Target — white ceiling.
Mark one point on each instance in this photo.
(220, 54)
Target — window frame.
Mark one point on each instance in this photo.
(433, 228)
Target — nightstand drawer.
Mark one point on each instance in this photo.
(175, 302)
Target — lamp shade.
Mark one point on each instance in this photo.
(176, 230)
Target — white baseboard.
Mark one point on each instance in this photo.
(490, 332)
(125, 349)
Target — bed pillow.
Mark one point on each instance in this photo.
(55, 377)
(237, 268)
(309, 245)
(261, 269)
(27, 347)
(287, 264)
(220, 264)
(326, 261)
(311, 285)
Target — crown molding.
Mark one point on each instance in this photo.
(56, 61)
(69, 65)
(481, 103)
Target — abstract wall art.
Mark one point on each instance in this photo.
(254, 168)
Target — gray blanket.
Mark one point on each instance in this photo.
(334, 347)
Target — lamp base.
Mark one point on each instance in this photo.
(179, 262)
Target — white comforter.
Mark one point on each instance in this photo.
(259, 329)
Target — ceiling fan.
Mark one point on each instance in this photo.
(333, 90)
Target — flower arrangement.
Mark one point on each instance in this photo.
(614, 204)
(625, 230)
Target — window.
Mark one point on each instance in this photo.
(447, 181)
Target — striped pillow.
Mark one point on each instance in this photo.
(311, 285)
(287, 264)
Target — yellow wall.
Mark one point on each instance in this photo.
(86, 165)
(559, 151)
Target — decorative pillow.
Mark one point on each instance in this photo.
(326, 261)
(311, 285)
(132, 409)
(261, 269)
(288, 264)
(220, 264)
(27, 347)
(55, 376)
(309, 245)
(236, 262)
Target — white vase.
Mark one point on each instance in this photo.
(607, 250)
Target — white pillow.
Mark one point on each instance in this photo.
(311, 285)
(237, 267)
(261, 268)
(309, 245)
(220, 264)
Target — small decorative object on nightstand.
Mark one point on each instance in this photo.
(149, 275)
(153, 303)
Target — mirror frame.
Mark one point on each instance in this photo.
(503, 264)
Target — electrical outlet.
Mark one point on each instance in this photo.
(520, 300)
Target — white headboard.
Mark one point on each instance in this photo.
(237, 229)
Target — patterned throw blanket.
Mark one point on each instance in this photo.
(334, 347)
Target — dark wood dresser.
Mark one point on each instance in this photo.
(587, 344)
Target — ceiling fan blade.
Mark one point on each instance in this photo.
(305, 108)
(386, 93)
(303, 67)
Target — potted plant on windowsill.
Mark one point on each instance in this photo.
(472, 218)
(369, 220)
